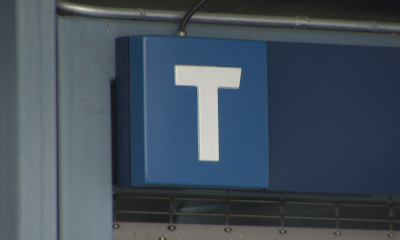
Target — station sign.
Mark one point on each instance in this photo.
(192, 112)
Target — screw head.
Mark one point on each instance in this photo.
(391, 235)
(282, 231)
(228, 229)
(116, 226)
(337, 233)
(171, 228)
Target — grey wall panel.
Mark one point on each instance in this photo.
(8, 126)
(86, 65)
(28, 149)
(84, 130)
(85, 70)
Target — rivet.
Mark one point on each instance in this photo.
(162, 238)
(337, 233)
(228, 229)
(171, 227)
(282, 231)
(181, 33)
(391, 235)
(142, 12)
(116, 226)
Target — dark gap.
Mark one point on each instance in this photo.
(364, 225)
(396, 213)
(310, 223)
(254, 208)
(199, 219)
(310, 210)
(254, 221)
(199, 206)
(364, 212)
(143, 204)
(139, 217)
(114, 131)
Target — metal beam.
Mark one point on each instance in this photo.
(230, 19)
(131, 230)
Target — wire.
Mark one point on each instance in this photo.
(188, 15)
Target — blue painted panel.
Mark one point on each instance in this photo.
(334, 118)
(166, 114)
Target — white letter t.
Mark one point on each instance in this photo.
(207, 80)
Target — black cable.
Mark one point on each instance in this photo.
(188, 15)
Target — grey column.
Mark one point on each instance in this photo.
(28, 146)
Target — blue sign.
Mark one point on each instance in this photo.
(192, 112)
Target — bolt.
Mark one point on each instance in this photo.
(142, 12)
(391, 235)
(228, 229)
(116, 226)
(282, 231)
(337, 233)
(171, 227)
(162, 238)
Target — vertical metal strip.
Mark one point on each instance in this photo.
(114, 207)
(227, 207)
(171, 209)
(391, 214)
(337, 215)
(282, 213)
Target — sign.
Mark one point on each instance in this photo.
(192, 112)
